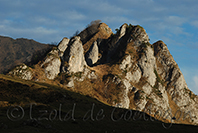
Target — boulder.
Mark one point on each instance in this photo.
(52, 64)
(63, 44)
(92, 54)
(122, 30)
(74, 60)
(22, 71)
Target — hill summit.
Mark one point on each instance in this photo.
(16, 51)
(122, 70)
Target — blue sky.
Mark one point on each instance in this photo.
(173, 21)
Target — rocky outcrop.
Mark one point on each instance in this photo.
(134, 76)
(123, 29)
(92, 54)
(147, 65)
(125, 101)
(62, 46)
(52, 64)
(22, 71)
(177, 87)
(131, 72)
(138, 35)
(74, 56)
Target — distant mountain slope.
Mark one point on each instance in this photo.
(14, 52)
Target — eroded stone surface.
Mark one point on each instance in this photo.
(92, 54)
(23, 72)
(74, 56)
(52, 64)
(122, 30)
(147, 64)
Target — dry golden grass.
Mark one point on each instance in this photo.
(51, 97)
(101, 70)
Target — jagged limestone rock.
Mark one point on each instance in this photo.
(126, 63)
(134, 76)
(178, 92)
(147, 64)
(139, 36)
(123, 102)
(52, 64)
(53, 68)
(147, 89)
(125, 99)
(22, 71)
(92, 54)
(165, 59)
(74, 56)
(146, 75)
(177, 89)
(140, 100)
(160, 102)
(122, 30)
(62, 46)
(170, 72)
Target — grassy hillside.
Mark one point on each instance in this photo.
(26, 106)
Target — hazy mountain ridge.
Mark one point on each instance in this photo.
(122, 70)
(17, 51)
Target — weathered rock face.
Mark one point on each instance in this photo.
(52, 64)
(134, 76)
(74, 56)
(125, 101)
(154, 74)
(62, 46)
(22, 71)
(122, 30)
(164, 58)
(177, 87)
(139, 36)
(147, 65)
(126, 63)
(92, 54)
